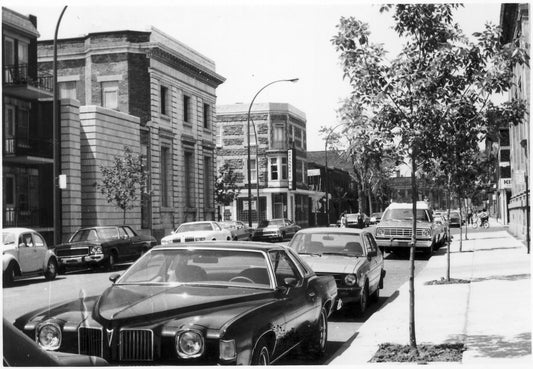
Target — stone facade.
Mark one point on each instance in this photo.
(157, 96)
(280, 128)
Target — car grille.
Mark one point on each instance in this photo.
(339, 278)
(400, 232)
(136, 345)
(72, 252)
(176, 240)
(189, 239)
(90, 341)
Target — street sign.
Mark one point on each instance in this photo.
(505, 183)
(313, 172)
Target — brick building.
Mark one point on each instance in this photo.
(27, 152)
(278, 160)
(147, 91)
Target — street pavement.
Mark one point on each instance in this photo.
(491, 315)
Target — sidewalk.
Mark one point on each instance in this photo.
(491, 315)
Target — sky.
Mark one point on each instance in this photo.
(252, 42)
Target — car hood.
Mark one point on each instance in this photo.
(189, 234)
(126, 302)
(402, 223)
(269, 228)
(334, 264)
(69, 245)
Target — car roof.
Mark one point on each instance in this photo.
(199, 222)
(245, 245)
(408, 205)
(19, 229)
(331, 230)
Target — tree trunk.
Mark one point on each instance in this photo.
(460, 224)
(412, 333)
(370, 210)
(449, 236)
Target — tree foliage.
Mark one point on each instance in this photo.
(434, 96)
(226, 188)
(123, 180)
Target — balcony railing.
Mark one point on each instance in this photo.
(37, 147)
(18, 75)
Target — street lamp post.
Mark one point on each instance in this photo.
(55, 137)
(326, 169)
(249, 156)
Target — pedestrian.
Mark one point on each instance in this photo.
(343, 220)
(469, 216)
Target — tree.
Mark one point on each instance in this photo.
(123, 180)
(433, 95)
(226, 189)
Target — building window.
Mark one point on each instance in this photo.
(186, 108)
(304, 172)
(67, 90)
(274, 169)
(10, 121)
(23, 128)
(110, 94)
(207, 116)
(220, 133)
(278, 136)
(189, 179)
(164, 100)
(253, 170)
(208, 182)
(9, 190)
(297, 137)
(284, 168)
(165, 176)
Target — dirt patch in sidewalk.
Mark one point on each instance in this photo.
(390, 353)
(445, 281)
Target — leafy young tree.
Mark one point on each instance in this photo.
(437, 88)
(123, 180)
(226, 188)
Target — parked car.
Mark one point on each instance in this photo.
(350, 255)
(455, 219)
(239, 230)
(375, 218)
(102, 246)
(442, 226)
(275, 230)
(202, 303)
(198, 231)
(26, 254)
(352, 220)
(395, 230)
(20, 350)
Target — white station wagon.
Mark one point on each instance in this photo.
(198, 231)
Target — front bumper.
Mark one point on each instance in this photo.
(388, 243)
(267, 237)
(80, 261)
(349, 294)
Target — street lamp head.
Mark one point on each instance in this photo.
(294, 80)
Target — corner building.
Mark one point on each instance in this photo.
(152, 93)
(278, 165)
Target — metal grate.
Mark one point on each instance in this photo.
(90, 341)
(401, 232)
(72, 252)
(136, 345)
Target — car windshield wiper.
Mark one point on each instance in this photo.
(310, 253)
(337, 253)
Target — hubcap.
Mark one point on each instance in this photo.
(323, 334)
(51, 267)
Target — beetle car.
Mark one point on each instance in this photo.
(275, 230)
(202, 303)
(198, 231)
(350, 255)
(25, 254)
(102, 246)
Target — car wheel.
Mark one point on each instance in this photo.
(363, 301)
(316, 345)
(261, 356)
(51, 270)
(9, 274)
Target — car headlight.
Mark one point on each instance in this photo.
(350, 280)
(380, 232)
(96, 250)
(189, 344)
(426, 232)
(199, 238)
(165, 241)
(227, 350)
(48, 336)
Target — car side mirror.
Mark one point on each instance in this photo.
(372, 254)
(113, 277)
(290, 282)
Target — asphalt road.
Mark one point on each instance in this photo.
(33, 293)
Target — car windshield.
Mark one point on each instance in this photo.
(348, 244)
(228, 225)
(8, 238)
(405, 214)
(193, 227)
(200, 266)
(94, 234)
(273, 222)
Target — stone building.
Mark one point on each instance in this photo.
(278, 160)
(514, 144)
(27, 151)
(152, 93)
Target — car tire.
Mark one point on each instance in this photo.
(315, 347)
(51, 270)
(9, 274)
(261, 355)
(362, 304)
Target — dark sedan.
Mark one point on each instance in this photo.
(102, 246)
(239, 230)
(204, 303)
(275, 230)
